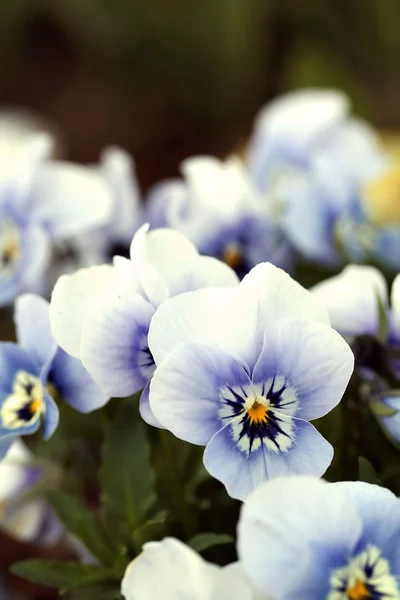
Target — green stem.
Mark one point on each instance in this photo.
(176, 486)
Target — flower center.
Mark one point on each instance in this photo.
(358, 592)
(367, 576)
(260, 415)
(380, 195)
(233, 256)
(10, 248)
(25, 405)
(258, 410)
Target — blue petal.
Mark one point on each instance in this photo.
(314, 361)
(75, 385)
(12, 360)
(185, 393)
(114, 347)
(51, 416)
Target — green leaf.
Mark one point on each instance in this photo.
(126, 475)
(204, 541)
(383, 324)
(61, 574)
(380, 409)
(150, 530)
(366, 471)
(82, 522)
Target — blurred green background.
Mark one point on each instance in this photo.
(168, 78)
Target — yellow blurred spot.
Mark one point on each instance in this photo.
(381, 197)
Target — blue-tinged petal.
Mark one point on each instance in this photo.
(32, 324)
(145, 408)
(5, 443)
(51, 416)
(12, 360)
(166, 204)
(71, 199)
(74, 384)
(203, 271)
(186, 390)
(310, 453)
(395, 304)
(171, 571)
(293, 531)
(314, 361)
(114, 346)
(73, 298)
(379, 511)
(351, 299)
(303, 204)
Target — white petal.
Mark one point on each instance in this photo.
(192, 317)
(171, 571)
(158, 258)
(119, 171)
(351, 299)
(72, 297)
(71, 199)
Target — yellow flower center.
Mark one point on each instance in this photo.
(258, 412)
(381, 197)
(358, 592)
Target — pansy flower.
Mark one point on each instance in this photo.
(171, 570)
(311, 161)
(217, 207)
(303, 538)
(42, 203)
(34, 372)
(242, 371)
(102, 315)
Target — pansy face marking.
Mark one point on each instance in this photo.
(25, 404)
(233, 255)
(10, 248)
(262, 414)
(367, 577)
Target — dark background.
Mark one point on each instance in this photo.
(168, 78)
